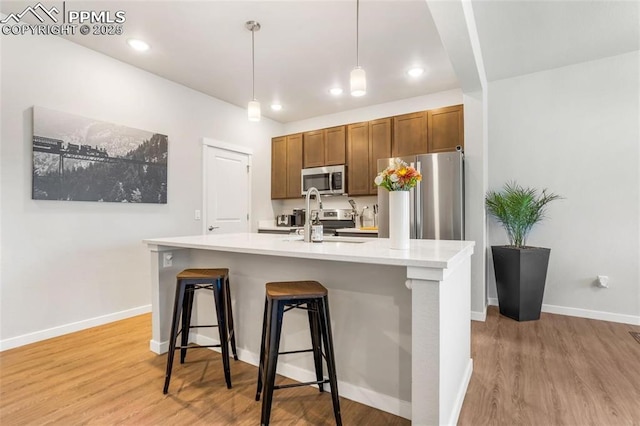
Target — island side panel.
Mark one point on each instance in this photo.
(456, 364)
(441, 347)
(163, 287)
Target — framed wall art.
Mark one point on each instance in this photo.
(80, 159)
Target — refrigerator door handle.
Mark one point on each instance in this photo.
(419, 222)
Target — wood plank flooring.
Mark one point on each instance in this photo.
(107, 376)
(557, 371)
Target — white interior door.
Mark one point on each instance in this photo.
(227, 190)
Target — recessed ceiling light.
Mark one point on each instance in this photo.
(139, 45)
(415, 72)
(276, 107)
(336, 91)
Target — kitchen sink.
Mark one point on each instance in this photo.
(329, 239)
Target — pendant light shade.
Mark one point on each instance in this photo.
(253, 108)
(358, 76)
(358, 82)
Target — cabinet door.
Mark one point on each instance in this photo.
(279, 168)
(409, 134)
(358, 159)
(379, 147)
(294, 166)
(334, 146)
(313, 149)
(446, 128)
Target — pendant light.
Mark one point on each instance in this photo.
(358, 76)
(253, 108)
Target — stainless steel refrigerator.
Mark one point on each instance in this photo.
(437, 203)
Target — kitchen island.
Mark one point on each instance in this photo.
(401, 319)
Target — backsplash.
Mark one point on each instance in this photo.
(328, 202)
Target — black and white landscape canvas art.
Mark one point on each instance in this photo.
(81, 159)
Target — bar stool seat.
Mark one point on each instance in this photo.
(280, 298)
(188, 282)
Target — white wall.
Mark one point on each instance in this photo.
(65, 265)
(575, 130)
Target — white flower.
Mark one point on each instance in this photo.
(394, 178)
(378, 180)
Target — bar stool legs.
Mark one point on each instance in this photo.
(188, 282)
(312, 297)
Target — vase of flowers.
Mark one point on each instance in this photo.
(398, 179)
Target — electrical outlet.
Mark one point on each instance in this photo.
(197, 215)
(167, 260)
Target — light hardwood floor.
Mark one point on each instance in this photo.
(559, 370)
(107, 375)
(556, 371)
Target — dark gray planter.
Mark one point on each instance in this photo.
(520, 278)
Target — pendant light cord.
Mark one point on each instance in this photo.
(253, 65)
(358, 33)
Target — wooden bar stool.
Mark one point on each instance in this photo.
(188, 282)
(280, 298)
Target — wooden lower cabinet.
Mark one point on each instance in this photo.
(445, 129)
(366, 143)
(286, 166)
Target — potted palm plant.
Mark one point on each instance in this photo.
(520, 270)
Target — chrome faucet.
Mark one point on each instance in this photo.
(307, 221)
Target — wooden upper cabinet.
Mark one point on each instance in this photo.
(409, 134)
(279, 167)
(325, 147)
(445, 128)
(294, 166)
(361, 145)
(358, 159)
(380, 132)
(335, 145)
(313, 149)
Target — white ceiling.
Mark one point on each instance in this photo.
(303, 49)
(307, 46)
(521, 37)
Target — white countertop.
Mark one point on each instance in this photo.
(422, 253)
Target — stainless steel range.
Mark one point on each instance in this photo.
(333, 219)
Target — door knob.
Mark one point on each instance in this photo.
(211, 228)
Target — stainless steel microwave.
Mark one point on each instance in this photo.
(329, 180)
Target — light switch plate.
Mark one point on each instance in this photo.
(167, 260)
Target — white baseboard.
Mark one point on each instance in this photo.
(584, 313)
(462, 391)
(25, 339)
(479, 316)
(347, 390)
